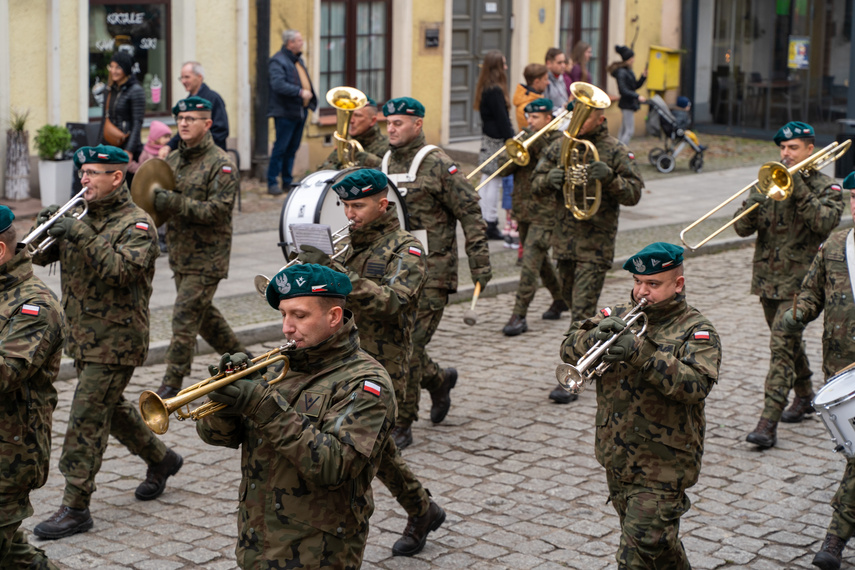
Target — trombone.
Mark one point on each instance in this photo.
(774, 181)
(155, 411)
(29, 241)
(494, 156)
(573, 378)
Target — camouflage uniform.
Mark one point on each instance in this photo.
(106, 286)
(373, 142)
(199, 236)
(585, 249)
(308, 455)
(31, 339)
(438, 198)
(650, 425)
(789, 233)
(535, 214)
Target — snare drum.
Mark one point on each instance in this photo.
(835, 405)
(315, 202)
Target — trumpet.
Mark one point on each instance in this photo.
(42, 246)
(774, 181)
(573, 378)
(155, 411)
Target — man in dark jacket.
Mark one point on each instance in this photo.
(291, 98)
(193, 80)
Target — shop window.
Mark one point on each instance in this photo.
(586, 21)
(140, 28)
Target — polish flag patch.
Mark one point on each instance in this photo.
(101, 155)
(319, 288)
(606, 312)
(631, 155)
(370, 386)
(227, 169)
(30, 310)
(452, 169)
(142, 226)
(667, 263)
(702, 335)
(416, 251)
(836, 187)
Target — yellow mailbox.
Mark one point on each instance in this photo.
(663, 69)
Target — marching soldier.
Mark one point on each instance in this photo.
(364, 130)
(789, 233)
(650, 406)
(535, 214)
(585, 249)
(386, 267)
(106, 266)
(437, 197)
(309, 444)
(199, 237)
(31, 340)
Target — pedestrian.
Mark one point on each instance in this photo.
(31, 343)
(585, 249)
(291, 98)
(199, 237)
(310, 445)
(556, 64)
(106, 268)
(124, 110)
(789, 233)
(491, 101)
(630, 101)
(365, 131)
(437, 197)
(827, 288)
(650, 405)
(580, 58)
(536, 80)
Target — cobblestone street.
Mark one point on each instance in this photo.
(515, 473)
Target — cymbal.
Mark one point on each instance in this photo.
(152, 174)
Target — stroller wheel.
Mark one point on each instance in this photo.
(665, 163)
(696, 163)
(654, 155)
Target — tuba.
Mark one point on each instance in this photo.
(577, 153)
(345, 100)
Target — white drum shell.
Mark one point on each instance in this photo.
(835, 406)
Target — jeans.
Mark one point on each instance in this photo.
(627, 126)
(490, 194)
(289, 133)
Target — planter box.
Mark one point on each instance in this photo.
(55, 181)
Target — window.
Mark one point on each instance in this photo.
(586, 21)
(356, 43)
(140, 28)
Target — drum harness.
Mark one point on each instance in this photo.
(850, 259)
(410, 175)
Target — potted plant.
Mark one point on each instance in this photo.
(55, 168)
(18, 157)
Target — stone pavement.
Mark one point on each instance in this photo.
(515, 473)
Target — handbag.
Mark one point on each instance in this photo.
(113, 135)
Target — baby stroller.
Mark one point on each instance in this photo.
(663, 123)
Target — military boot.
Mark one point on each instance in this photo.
(516, 325)
(765, 435)
(553, 313)
(561, 396)
(415, 534)
(798, 409)
(64, 522)
(441, 397)
(156, 476)
(403, 436)
(830, 555)
(165, 392)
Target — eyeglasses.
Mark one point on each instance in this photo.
(188, 120)
(90, 173)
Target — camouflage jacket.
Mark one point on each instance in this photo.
(592, 240)
(31, 338)
(199, 233)
(309, 451)
(529, 206)
(106, 282)
(650, 410)
(386, 266)
(789, 233)
(438, 198)
(373, 142)
(826, 287)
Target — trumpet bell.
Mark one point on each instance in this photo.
(151, 175)
(346, 98)
(155, 412)
(775, 181)
(261, 282)
(590, 95)
(517, 152)
(570, 378)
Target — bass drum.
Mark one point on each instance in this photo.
(315, 202)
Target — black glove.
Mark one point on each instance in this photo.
(608, 327)
(240, 397)
(46, 213)
(483, 279)
(555, 178)
(622, 349)
(237, 361)
(69, 228)
(792, 324)
(600, 171)
(166, 200)
(311, 254)
(754, 197)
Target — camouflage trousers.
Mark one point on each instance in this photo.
(650, 526)
(99, 410)
(309, 548)
(194, 313)
(789, 368)
(394, 472)
(843, 504)
(535, 240)
(424, 372)
(16, 552)
(581, 285)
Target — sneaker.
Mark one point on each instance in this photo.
(274, 190)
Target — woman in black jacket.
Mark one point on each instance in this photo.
(126, 107)
(630, 101)
(491, 99)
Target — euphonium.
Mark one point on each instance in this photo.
(29, 241)
(578, 153)
(346, 100)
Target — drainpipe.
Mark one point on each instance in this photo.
(260, 157)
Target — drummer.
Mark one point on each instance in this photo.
(828, 289)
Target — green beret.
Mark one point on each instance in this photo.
(403, 106)
(6, 218)
(361, 184)
(193, 103)
(307, 280)
(793, 130)
(371, 102)
(101, 154)
(849, 181)
(655, 258)
(542, 105)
